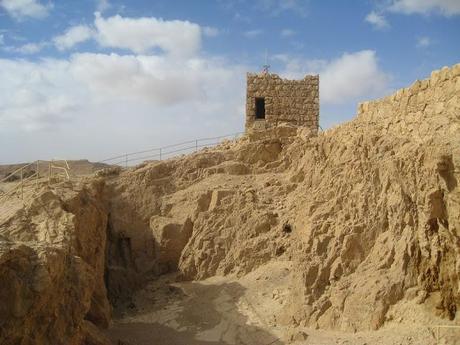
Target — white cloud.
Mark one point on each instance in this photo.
(141, 35)
(423, 42)
(31, 94)
(287, 33)
(444, 7)
(31, 48)
(424, 7)
(49, 93)
(377, 20)
(103, 5)
(275, 7)
(152, 79)
(74, 93)
(148, 100)
(210, 31)
(352, 76)
(165, 93)
(27, 49)
(20, 9)
(73, 36)
(241, 18)
(349, 78)
(252, 33)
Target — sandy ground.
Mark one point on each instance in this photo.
(227, 310)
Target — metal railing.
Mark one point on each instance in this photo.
(22, 179)
(53, 172)
(438, 331)
(57, 171)
(168, 151)
(21, 175)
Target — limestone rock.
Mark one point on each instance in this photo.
(52, 268)
(171, 239)
(373, 208)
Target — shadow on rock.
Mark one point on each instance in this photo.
(203, 314)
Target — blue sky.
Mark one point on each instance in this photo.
(92, 78)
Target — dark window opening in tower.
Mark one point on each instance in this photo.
(260, 108)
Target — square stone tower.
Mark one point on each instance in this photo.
(271, 100)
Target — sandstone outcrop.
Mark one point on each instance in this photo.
(368, 213)
(52, 262)
(368, 210)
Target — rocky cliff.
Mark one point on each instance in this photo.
(52, 261)
(368, 210)
(368, 213)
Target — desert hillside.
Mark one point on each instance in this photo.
(78, 167)
(350, 236)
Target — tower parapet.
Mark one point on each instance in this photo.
(271, 99)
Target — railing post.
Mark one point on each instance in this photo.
(22, 184)
(38, 174)
(49, 173)
(196, 145)
(126, 161)
(160, 153)
(67, 170)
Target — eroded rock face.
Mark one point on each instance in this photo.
(384, 219)
(171, 238)
(368, 213)
(371, 208)
(52, 257)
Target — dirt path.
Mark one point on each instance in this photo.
(216, 311)
(227, 310)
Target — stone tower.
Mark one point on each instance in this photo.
(271, 100)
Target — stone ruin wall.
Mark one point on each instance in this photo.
(413, 110)
(292, 101)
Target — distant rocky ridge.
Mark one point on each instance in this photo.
(78, 167)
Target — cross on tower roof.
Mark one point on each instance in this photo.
(266, 66)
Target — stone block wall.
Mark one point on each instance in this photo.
(413, 111)
(292, 101)
(428, 113)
